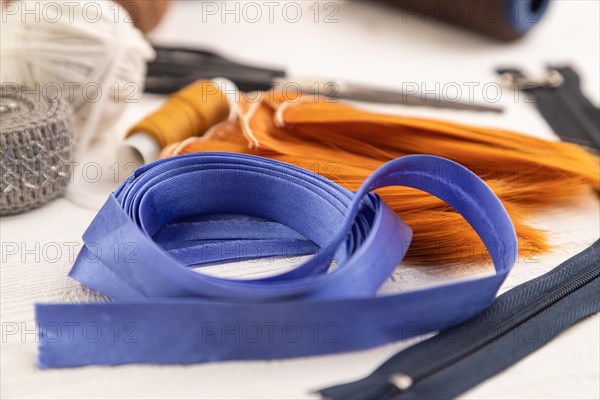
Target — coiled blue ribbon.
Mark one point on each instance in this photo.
(214, 207)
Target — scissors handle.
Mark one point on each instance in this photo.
(176, 67)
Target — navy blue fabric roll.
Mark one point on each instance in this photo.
(501, 19)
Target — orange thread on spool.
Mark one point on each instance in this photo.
(189, 112)
(345, 144)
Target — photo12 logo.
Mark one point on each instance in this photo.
(270, 11)
(70, 332)
(66, 11)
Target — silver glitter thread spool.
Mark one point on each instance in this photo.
(36, 146)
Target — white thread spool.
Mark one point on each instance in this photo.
(88, 52)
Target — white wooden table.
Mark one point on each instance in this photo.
(367, 43)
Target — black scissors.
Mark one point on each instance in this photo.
(176, 67)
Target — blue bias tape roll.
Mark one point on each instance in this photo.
(202, 208)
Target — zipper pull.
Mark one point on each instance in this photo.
(401, 381)
(560, 100)
(516, 80)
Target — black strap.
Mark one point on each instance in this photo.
(519, 322)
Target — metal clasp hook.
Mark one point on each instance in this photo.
(515, 79)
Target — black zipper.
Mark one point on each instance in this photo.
(422, 367)
(507, 326)
(562, 103)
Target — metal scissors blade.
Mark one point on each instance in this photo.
(368, 94)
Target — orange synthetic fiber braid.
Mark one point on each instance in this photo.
(346, 144)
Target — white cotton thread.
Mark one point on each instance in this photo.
(245, 124)
(98, 64)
